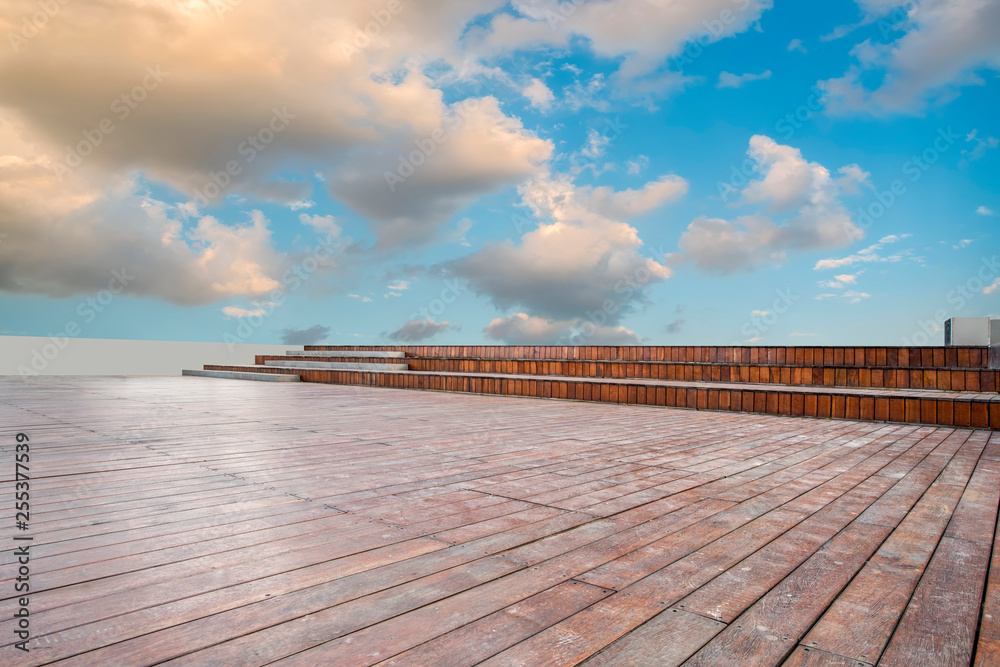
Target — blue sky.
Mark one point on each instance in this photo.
(612, 172)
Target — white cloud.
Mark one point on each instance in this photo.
(624, 204)
(70, 236)
(643, 34)
(674, 326)
(722, 246)
(236, 311)
(414, 331)
(728, 80)
(637, 165)
(760, 313)
(841, 281)
(596, 146)
(346, 115)
(982, 210)
(789, 185)
(396, 288)
(362, 299)
(323, 224)
(618, 335)
(480, 149)
(945, 43)
(854, 297)
(979, 148)
(796, 45)
(592, 94)
(522, 329)
(853, 176)
(849, 296)
(579, 259)
(989, 289)
(866, 255)
(538, 94)
(309, 336)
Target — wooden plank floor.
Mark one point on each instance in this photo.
(196, 521)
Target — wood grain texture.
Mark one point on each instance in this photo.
(194, 521)
(666, 640)
(940, 623)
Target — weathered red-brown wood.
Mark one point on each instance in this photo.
(352, 525)
(666, 640)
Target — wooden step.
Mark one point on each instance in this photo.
(946, 379)
(879, 356)
(261, 359)
(242, 375)
(914, 406)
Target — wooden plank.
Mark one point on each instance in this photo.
(258, 523)
(584, 634)
(476, 641)
(862, 619)
(804, 656)
(940, 622)
(391, 637)
(666, 640)
(730, 594)
(770, 630)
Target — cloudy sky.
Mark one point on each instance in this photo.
(591, 172)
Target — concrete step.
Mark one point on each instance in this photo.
(910, 406)
(335, 365)
(243, 375)
(380, 354)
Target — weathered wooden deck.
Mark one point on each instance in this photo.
(194, 521)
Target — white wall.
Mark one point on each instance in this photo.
(95, 356)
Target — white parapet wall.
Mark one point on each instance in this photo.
(26, 355)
